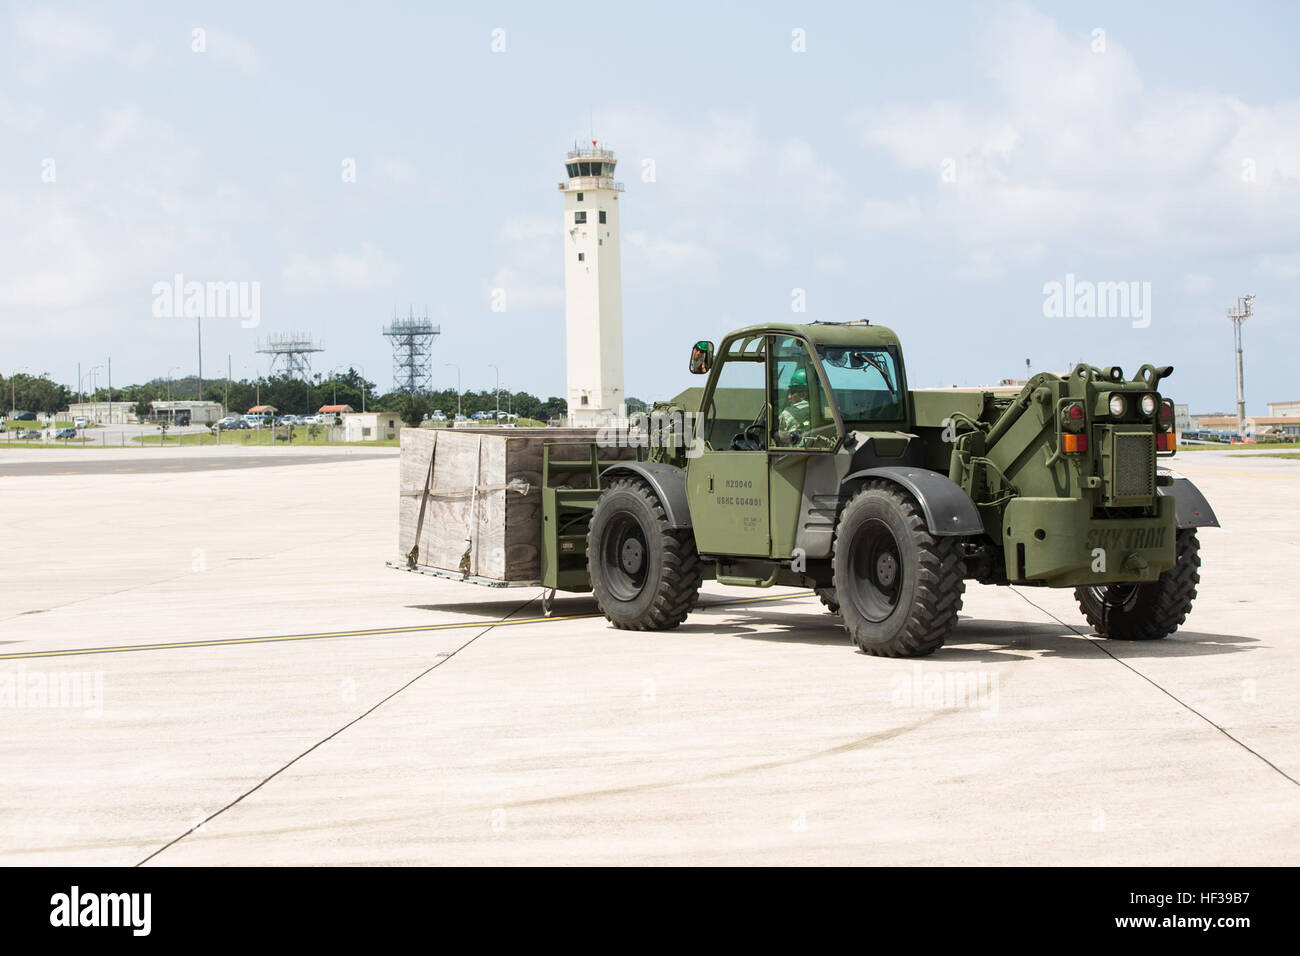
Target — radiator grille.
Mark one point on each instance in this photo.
(1134, 466)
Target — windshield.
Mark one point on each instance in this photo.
(865, 382)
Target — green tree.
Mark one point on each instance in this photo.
(412, 410)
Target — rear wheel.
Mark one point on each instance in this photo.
(645, 575)
(899, 587)
(1146, 612)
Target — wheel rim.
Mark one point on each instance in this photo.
(1116, 596)
(876, 571)
(626, 557)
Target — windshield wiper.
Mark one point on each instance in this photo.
(880, 367)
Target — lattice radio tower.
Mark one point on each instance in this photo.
(291, 353)
(412, 340)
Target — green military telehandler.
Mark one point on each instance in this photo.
(805, 460)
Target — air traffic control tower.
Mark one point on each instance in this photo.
(593, 288)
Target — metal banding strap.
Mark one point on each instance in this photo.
(413, 556)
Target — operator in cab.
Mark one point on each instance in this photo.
(795, 416)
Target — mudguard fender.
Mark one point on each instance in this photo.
(948, 510)
(668, 482)
(1190, 506)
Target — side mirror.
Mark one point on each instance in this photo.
(701, 358)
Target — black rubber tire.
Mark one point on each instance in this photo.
(646, 576)
(1146, 612)
(910, 612)
(827, 597)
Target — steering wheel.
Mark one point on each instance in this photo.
(751, 439)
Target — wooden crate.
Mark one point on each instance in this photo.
(483, 513)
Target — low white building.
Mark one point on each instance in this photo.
(371, 426)
(104, 413)
(199, 413)
(1283, 409)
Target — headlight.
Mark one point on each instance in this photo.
(1148, 405)
(1117, 404)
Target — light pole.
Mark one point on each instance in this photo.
(498, 390)
(257, 384)
(457, 368)
(362, 369)
(174, 368)
(81, 379)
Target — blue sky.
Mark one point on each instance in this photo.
(928, 166)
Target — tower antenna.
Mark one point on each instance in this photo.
(412, 341)
(1238, 315)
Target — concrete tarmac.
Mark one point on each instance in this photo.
(250, 685)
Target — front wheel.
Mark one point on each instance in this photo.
(645, 575)
(899, 587)
(1146, 612)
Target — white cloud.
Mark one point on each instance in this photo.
(117, 125)
(65, 35)
(524, 291)
(52, 263)
(658, 257)
(1073, 152)
(1280, 266)
(227, 49)
(50, 40)
(370, 268)
(830, 265)
(531, 228)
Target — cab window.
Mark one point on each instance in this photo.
(738, 398)
(803, 417)
(865, 382)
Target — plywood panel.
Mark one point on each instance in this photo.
(483, 511)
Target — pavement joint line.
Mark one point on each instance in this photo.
(365, 632)
(1168, 693)
(484, 626)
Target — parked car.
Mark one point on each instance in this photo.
(80, 422)
(314, 420)
(66, 433)
(29, 433)
(24, 416)
(438, 415)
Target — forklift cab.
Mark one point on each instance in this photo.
(765, 408)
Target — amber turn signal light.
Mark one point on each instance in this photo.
(1074, 444)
